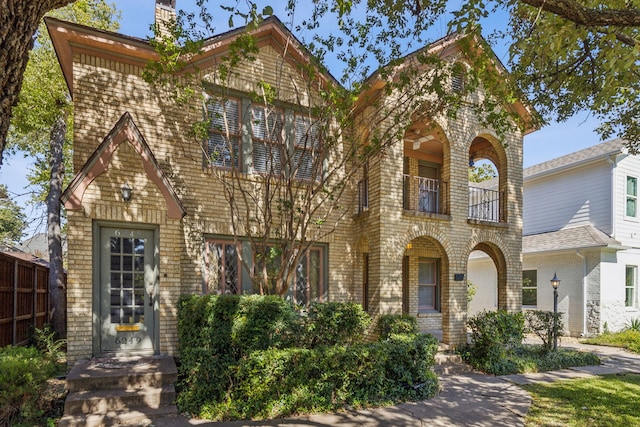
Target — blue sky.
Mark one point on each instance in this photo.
(552, 141)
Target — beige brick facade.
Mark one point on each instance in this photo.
(106, 82)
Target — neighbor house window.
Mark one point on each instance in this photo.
(221, 268)
(306, 158)
(529, 288)
(269, 152)
(428, 292)
(223, 148)
(632, 197)
(631, 274)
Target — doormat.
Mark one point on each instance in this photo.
(116, 363)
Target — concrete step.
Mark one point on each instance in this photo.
(120, 391)
(104, 401)
(450, 364)
(122, 373)
(114, 418)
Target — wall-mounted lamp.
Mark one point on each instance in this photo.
(126, 192)
(471, 161)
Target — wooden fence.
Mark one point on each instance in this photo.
(24, 298)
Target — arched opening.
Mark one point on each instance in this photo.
(426, 170)
(425, 272)
(486, 279)
(487, 180)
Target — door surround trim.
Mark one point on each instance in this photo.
(96, 227)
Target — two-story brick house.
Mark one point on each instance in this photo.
(148, 222)
(581, 222)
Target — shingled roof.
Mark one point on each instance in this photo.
(573, 238)
(587, 155)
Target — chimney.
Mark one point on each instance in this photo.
(165, 14)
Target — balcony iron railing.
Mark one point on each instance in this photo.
(486, 205)
(425, 195)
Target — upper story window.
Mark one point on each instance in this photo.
(267, 124)
(223, 148)
(306, 158)
(631, 208)
(279, 141)
(530, 288)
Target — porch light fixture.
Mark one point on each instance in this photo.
(126, 192)
(555, 282)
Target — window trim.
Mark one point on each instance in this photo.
(237, 135)
(241, 244)
(627, 197)
(314, 149)
(205, 273)
(277, 143)
(633, 286)
(529, 287)
(436, 286)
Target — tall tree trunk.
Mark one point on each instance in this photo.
(56, 271)
(19, 21)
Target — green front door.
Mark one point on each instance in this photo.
(128, 291)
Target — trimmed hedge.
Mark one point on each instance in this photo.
(255, 357)
(392, 324)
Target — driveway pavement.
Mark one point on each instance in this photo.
(467, 399)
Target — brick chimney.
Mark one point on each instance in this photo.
(165, 13)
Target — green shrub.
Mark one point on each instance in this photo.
(263, 322)
(23, 375)
(495, 335)
(628, 339)
(394, 324)
(541, 323)
(334, 323)
(236, 359)
(633, 325)
(528, 358)
(281, 382)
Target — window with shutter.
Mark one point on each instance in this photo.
(267, 125)
(223, 147)
(307, 160)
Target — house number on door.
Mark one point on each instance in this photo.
(128, 340)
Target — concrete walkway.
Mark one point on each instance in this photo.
(470, 399)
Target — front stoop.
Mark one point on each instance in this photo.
(450, 363)
(120, 391)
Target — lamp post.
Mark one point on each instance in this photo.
(554, 283)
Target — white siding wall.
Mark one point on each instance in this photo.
(569, 269)
(612, 280)
(484, 276)
(580, 196)
(627, 230)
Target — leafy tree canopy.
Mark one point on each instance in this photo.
(565, 56)
(12, 218)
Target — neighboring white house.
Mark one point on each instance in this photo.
(581, 222)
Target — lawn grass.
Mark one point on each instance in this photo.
(628, 339)
(608, 400)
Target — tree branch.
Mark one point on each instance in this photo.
(575, 12)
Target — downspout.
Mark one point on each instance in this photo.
(584, 293)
